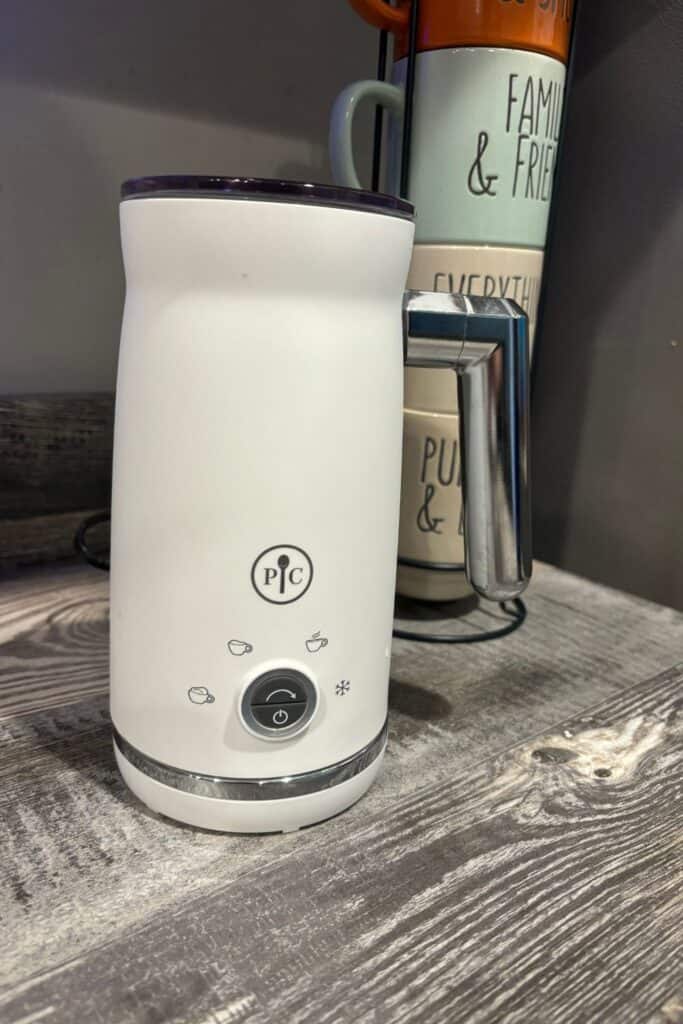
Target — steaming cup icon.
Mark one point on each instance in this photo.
(316, 643)
(239, 647)
(200, 695)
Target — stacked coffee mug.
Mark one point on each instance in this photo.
(487, 106)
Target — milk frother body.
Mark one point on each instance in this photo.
(257, 465)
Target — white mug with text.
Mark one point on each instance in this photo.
(485, 132)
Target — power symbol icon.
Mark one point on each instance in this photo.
(280, 717)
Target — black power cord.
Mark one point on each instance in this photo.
(81, 546)
(517, 613)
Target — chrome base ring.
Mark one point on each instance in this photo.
(281, 788)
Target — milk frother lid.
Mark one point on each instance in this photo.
(265, 189)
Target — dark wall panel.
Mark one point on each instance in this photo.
(608, 388)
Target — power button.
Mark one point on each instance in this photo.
(279, 703)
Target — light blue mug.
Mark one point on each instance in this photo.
(485, 132)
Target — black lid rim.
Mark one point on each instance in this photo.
(273, 190)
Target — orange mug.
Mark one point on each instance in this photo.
(539, 25)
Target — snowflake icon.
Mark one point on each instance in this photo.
(342, 688)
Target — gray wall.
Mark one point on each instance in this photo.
(94, 92)
(608, 389)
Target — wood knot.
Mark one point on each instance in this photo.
(553, 755)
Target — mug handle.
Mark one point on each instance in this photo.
(379, 14)
(341, 124)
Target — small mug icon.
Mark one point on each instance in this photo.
(200, 695)
(239, 647)
(316, 643)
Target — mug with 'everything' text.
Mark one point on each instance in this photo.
(485, 132)
(486, 270)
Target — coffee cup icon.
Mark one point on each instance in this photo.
(239, 647)
(316, 642)
(200, 695)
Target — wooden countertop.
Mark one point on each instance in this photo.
(520, 859)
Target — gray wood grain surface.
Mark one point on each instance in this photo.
(519, 860)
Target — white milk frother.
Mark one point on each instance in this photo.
(257, 471)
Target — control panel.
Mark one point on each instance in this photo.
(279, 703)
